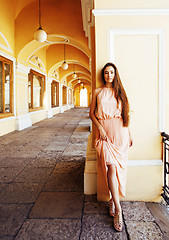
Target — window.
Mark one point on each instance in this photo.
(36, 89)
(55, 94)
(70, 96)
(64, 95)
(6, 87)
(83, 97)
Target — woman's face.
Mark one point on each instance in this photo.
(109, 74)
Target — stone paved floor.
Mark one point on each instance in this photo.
(41, 188)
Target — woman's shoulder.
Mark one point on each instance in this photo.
(97, 90)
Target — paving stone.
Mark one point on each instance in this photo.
(8, 174)
(161, 216)
(104, 224)
(7, 237)
(33, 175)
(12, 146)
(97, 233)
(97, 220)
(74, 121)
(95, 207)
(75, 149)
(43, 162)
(91, 198)
(33, 147)
(82, 129)
(69, 167)
(56, 146)
(137, 211)
(61, 138)
(50, 229)
(74, 158)
(70, 127)
(20, 193)
(15, 162)
(49, 154)
(20, 154)
(12, 217)
(65, 133)
(81, 140)
(81, 134)
(64, 182)
(143, 230)
(58, 205)
(2, 157)
(3, 186)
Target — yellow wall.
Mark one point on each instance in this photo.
(7, 24)
(136, 57)
(133, 43)
(115, 4)
(7, 126)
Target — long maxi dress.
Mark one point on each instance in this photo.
(113, 150)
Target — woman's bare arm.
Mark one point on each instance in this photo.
(92, 113)
(130, 138)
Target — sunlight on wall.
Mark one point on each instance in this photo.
(83, 97)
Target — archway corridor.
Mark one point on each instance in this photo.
(41, 186)
(43, 73)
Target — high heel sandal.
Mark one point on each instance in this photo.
(111, 208)
(118, 221)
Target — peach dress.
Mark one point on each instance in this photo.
(113, 150)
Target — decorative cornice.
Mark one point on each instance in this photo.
(22, 68)
(146, 162)
(134, 12)
(7, 47)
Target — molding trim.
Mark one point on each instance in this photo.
(160, 34)
(146, 162)
(7, 56)
(22, 68)
(7, 47)
(7, 119)
(127, 12)
(23, 121)
(49, 113)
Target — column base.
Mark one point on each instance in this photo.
(90, 172)
(23, 121)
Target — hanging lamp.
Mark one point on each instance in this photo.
(64, 65)
(74, 75)
(40, 35)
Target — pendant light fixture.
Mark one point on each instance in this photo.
(64, 65)
(74, 75)
(40, 35)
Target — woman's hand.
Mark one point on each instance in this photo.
(130, 141)
(103, 134)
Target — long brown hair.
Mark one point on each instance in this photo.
(120, 93)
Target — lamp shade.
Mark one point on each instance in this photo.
(74, 75)
(64, 66)
(40, 35)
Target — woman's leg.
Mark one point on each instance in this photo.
(113, 186)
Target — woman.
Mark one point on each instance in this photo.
(109, 111)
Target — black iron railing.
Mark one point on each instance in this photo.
(165, 193)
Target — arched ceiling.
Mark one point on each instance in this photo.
(62, 21)
(63, 18)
